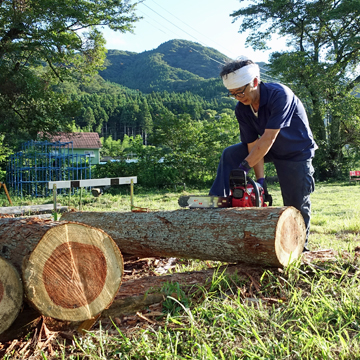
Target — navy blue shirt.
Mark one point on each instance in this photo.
(280, 109)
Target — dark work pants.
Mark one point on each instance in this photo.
(295, 178)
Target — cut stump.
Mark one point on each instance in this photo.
(70, 271)
(270, 236)
(11, 294)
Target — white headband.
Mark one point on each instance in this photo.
(241, 76)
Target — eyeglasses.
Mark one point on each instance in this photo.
(239, 94)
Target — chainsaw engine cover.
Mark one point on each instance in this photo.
(245, 197)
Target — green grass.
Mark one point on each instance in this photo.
(318, 318)
(116, 199)
(313, 311)
(335, 219)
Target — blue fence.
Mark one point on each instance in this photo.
(29, 170)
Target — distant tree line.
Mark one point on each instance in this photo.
(183, 150)
(128, 113)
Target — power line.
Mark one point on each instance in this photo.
(172, 23)
(190, 26)
(153, 24)
(266, 77)
(197, 31)
(222, 63)
(185, 33)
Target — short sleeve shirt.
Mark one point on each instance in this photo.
(280, 109)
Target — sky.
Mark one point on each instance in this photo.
(206, 22)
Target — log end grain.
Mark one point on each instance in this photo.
(290, 236)
(73, 273)
(11, 294)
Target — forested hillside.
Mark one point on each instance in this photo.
(177, 65)
(179, 77)
(113, 110)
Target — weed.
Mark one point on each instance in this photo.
(176, 300)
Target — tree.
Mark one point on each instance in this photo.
(5, 152)
(114, 148)
(89, 119)
(320, 64)
(45, 42)
(193, 148)
(146, 122)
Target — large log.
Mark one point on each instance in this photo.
(138, 294)
(11, 294)
(70, 271)
(271, 236)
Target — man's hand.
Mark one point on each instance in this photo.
(244, 166)
(261, 181)
(268, 197)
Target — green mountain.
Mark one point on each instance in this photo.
(177, 65)
(136, 91)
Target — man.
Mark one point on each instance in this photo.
(273, 128)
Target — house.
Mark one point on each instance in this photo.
(84, 143)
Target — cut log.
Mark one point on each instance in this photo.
(137, 295)
(270, 236)
(32, 209)
(70, 271)
(11, 294)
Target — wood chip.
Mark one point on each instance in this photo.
(155, 313)
(145, 318)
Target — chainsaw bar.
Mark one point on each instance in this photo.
(203, 201)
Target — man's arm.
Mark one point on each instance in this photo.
(258, 149)
(259, 167)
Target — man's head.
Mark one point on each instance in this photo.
(241, 78)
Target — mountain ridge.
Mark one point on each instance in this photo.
(175, 65)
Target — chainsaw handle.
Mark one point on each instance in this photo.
(267, 196)
(256, 190)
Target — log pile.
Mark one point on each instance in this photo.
(70, 271)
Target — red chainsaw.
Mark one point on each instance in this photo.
(244, 192)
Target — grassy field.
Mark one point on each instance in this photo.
(314, 312)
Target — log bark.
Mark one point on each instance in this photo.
(11, 294)
(271, 236)
(70, 271)
(32, 209)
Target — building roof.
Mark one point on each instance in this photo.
(83, 140)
